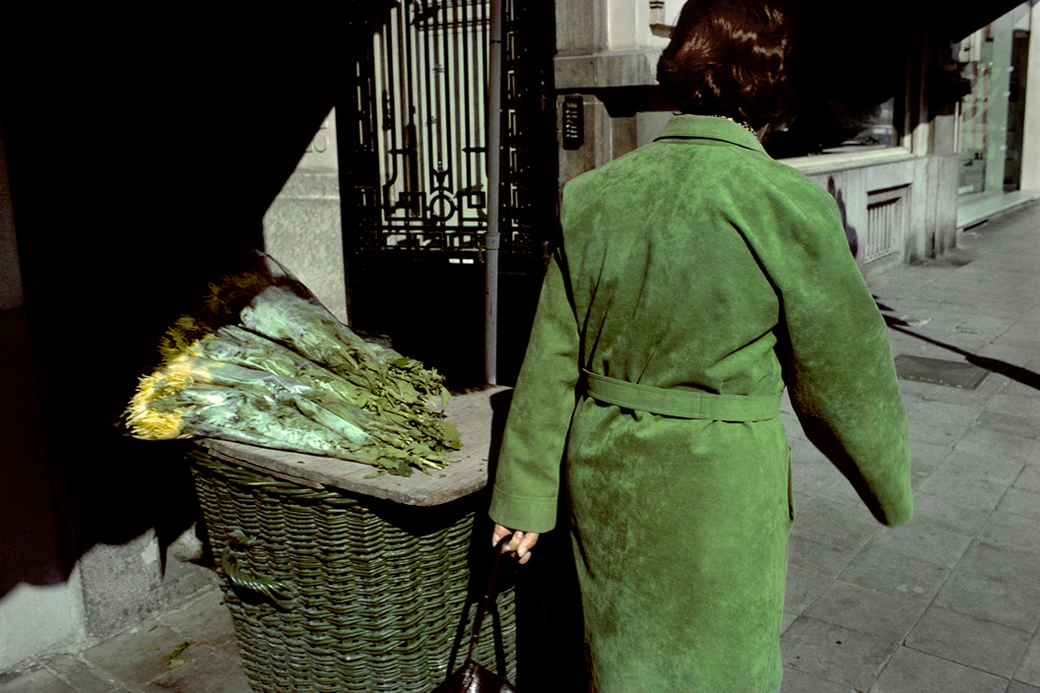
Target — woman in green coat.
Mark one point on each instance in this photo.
(695, 279)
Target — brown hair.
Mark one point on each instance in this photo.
(730, 58)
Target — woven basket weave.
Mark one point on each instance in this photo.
(330, 591)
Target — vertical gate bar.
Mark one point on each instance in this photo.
(389, 124)
(409, 123)
(428, 79)
(480, 106)
(409, 137)
(447, 78)
(368, 98)
(483, 63)
(469, 37)
(456, 110)
(439, 89)
(492, 237)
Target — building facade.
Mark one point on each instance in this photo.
(910, 114)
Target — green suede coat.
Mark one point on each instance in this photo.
(696, 264)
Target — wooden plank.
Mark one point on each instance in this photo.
(471, 413)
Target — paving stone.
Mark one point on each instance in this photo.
(994, 598)
(999, 305)
(927, 541)
(986, 324)
(994, 444)
(1020, 502)
(922, 431)
(136, 657)
(919, 473)
(973, 489)
(1016, 388)
(1019, 566)
(810, 478)
(929, 454)
(35, 681)
(1029, 671)
(805, 454)
(882, 615)
(205, 620)
(803, 587)
(820, 552)
(1012, 530)
(897, 573)
(841, 490)
(989, 466)
(799, 500)
(1016, 406)
(943, 412)
(829, 516)
(209, 673)
(797, 682)
(910, 671)
(1021, 426)
(949, 515)
(1019, 687)
(970, 641)
(837, 654)
(80, 676)
(1029, 479)
(1019, 338)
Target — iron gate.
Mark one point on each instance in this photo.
(414, 173)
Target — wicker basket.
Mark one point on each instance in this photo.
(332, 591)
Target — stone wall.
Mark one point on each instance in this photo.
(303, 227)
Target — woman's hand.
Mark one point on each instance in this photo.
(521, 543)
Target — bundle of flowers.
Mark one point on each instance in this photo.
(288, 375)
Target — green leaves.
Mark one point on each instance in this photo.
(174, 660)
(293, 377)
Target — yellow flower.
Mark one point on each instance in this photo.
(144, 420)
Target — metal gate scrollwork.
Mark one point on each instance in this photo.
(428, 132)
(414, 150)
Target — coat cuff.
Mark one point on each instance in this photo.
(524, 513)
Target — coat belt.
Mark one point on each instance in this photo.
(683, 404)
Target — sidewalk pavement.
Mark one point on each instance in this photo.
(949, 603)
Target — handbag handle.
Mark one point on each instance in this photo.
(485, 601)
(489, 590)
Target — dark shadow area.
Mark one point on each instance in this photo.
(30, 548)
(144, 146)
(1017, 373)
(850, 231)
(434, 311)
(840, 76)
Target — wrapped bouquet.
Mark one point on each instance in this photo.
(266, 364)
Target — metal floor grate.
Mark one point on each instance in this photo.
(940, 372)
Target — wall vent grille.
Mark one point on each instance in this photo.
(887, 223)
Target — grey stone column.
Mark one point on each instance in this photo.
(303, 227)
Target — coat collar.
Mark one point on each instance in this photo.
(686, 126)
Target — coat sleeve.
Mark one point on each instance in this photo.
(837, 358)
(527, 479)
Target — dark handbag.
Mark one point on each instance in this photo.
(472, 677)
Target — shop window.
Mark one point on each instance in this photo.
(994, 60)
(851, 83)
